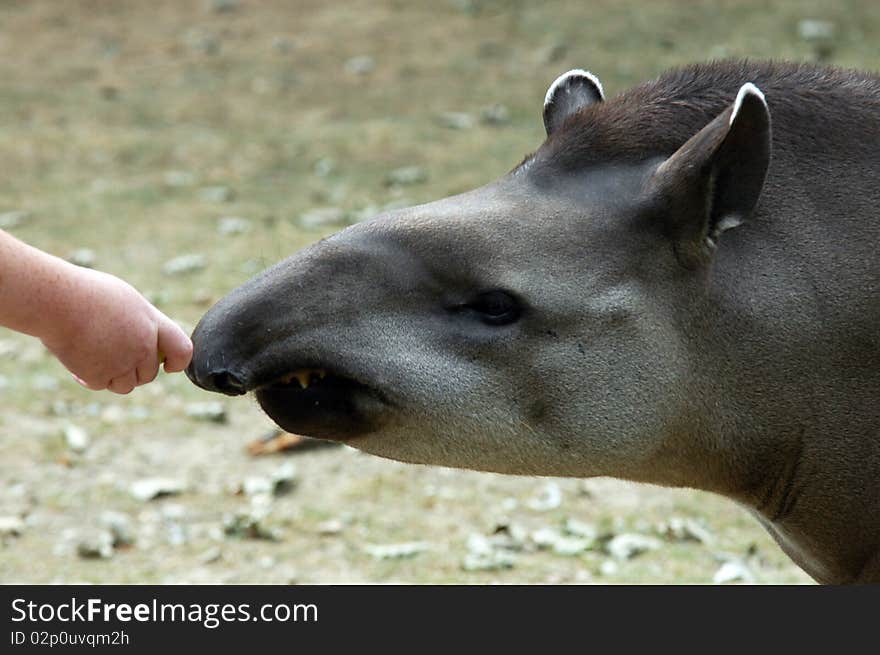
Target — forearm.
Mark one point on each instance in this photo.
(35, 287)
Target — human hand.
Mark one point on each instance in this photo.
(110, 337)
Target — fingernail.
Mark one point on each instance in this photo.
(80, 380)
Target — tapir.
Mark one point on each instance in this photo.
(680, 286)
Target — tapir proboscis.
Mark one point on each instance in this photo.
(668, 290)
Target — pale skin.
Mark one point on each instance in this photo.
(100, 327)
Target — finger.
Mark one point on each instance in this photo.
(124, 383)
(147, 369)
(175, 345)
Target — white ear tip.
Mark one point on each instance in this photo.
(747, 89)
(574, 72)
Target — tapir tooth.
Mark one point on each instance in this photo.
(302, 377)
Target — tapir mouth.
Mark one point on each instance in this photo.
(321, 402)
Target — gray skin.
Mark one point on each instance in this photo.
(689, 314)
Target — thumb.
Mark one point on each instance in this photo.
(174, 345)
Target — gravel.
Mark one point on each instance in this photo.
(11, 526)
(733, 571)
(76, 438)
(12, 219)
(626, 546)
(185, 264)
(95, 544)
(151, 488)
(233, 225)
(396, 551)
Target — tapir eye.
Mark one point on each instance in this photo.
(495, 307)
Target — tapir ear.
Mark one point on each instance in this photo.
(570, 92)
(713, 182)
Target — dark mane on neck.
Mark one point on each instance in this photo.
(811, 107)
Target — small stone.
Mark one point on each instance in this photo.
(211, 555)
(815, 30)
(456, 120)
(9, 220)
(231, 225)
(211, 411)
(179, 178)
(249, 525)
(283, 479)
(150, 488)
(330, 527)
(324, 166)
(255, 485)
(627, 546)
(508, 536)
(570, 546)
(545, 538)
(83, 257)
(407, 175)
(478, 544)
(683, 530)
(112, 415)
(495, 115)
(608, 567)
(322, 217)
(488, 561)
(360, 65)
(184, 264)
(76, 438)
(581, 529)
(820, 34)
(216, 194)
(97, 544)
(733, 571)
(396, 551)
(548, 498)
(119, 526)
(11, 526)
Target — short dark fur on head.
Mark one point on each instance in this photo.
(666, 112)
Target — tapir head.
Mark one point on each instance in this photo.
(539, 325)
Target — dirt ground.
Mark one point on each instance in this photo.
(133, 134)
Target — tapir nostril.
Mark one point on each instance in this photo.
(225, 382)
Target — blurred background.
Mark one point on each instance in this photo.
(184, 145)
